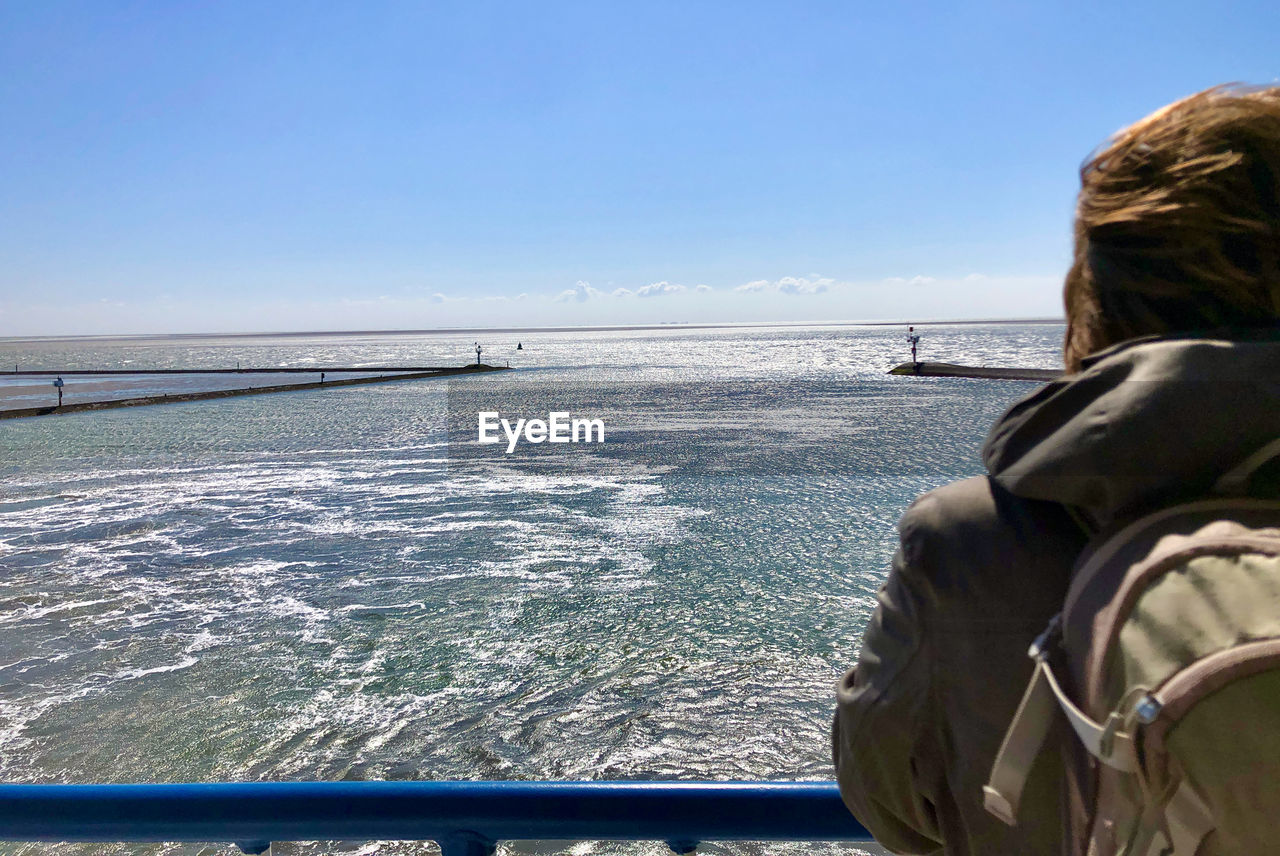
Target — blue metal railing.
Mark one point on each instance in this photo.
(465, 818)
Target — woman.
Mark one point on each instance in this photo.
(1173, 358)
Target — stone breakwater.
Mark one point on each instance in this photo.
(80, 407)
(950, 370)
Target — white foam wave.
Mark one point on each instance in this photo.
(133, 674)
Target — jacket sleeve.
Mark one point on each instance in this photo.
(881, 715)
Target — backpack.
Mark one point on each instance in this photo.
(1165, 664)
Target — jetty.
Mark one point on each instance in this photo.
(927, 369)
(383, 374)
(284, 370)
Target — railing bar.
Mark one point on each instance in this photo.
(488, 811)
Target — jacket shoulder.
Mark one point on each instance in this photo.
(955, 537)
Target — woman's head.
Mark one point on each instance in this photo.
(1178, 223)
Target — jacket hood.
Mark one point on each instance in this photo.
(1145, 423)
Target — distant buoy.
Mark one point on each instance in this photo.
(519, 346)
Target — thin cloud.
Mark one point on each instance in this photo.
(789, 285)
(659, 289)
(803, 285)
(580, 293)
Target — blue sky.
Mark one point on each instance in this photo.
(236, 166)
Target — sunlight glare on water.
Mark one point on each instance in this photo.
(341, 584)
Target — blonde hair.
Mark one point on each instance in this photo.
(1178, 224)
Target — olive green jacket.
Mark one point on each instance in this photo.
(984, 564)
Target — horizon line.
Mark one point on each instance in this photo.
(585, 328)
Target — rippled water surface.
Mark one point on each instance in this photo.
(342, 584)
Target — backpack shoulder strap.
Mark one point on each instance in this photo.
(1236, 480)
(1026, 735)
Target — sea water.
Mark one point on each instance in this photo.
(343, 584)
